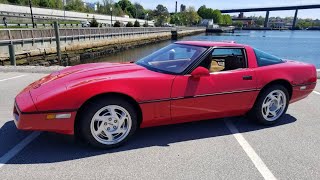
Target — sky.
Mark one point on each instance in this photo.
(232, 4)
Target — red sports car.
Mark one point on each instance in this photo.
(105, 103)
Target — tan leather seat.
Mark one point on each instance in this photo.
(215, 67)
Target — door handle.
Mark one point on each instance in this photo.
(247, 77)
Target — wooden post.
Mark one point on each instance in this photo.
(57, 34)
(174, 34)
(12, 55)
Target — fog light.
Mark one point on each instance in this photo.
(303, 87)
(63, 116)
(59, 116)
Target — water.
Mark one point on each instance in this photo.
(295, 45)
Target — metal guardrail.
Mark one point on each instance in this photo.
(44, 25)
(20, 36)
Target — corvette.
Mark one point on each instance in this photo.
(105, 103)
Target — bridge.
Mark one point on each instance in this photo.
(268, 9)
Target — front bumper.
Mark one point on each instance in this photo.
(38, 121)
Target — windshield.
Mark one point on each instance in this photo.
(174, 58)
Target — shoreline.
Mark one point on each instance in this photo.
(75, 51)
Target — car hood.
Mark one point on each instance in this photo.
(92, 71)
(73, 81)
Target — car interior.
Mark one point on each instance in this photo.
(224, 61)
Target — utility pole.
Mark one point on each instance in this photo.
(31, 13)
(176, 7)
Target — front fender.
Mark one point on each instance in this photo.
(76, 93)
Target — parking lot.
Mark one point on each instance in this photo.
(230, 148)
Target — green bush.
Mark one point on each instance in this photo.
(94, 23)
(136, 24)
(129, 24)
(117, 24)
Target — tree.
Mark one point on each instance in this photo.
(124, 4)
(94, 23)
(129, 24)
(304, 23)
(140, 11)
(104, 8)
(75, 5)
(136, 24)
(204, 12)
(44, 3)
(208, 13)
(176, 19)
(117, 24)
(127, 7)
(188, 17)
(217, 16)
(238, 24)
(161, 14)
(191, 16)
(117, 10)
(226, 19)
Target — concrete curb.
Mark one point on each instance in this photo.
(50, 69)
(31, 69)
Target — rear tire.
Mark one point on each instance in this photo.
(271, 104)
(107, 123)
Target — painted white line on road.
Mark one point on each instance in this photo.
(12, 78)
(317, 92)
(257, 161)
(15, 150)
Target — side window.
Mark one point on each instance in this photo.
(225, 59)
(265, 59)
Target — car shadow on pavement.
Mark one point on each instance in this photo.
(52, 147)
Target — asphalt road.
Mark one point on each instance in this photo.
(232, 148)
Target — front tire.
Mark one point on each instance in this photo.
(107, 123)
(270, 105)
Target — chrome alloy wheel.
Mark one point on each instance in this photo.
(111, 124)
(274, 105)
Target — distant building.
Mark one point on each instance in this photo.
(278, 24)
(207, 23)
(241, 15)
(182, 8)
(246, 22)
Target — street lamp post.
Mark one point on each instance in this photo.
(147, 19)
(64, 9)
(111, 16)
(31, 13)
